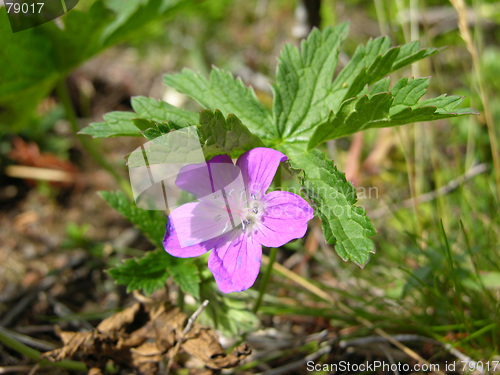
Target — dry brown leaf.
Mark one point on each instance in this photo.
(140, 336)
(119, 320)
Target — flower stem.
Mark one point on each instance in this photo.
(63, 95)
(265, 278)
(277, 179)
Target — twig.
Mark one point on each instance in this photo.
(430, 196)
(34, 369)
(35, 173)
(188, 327)
(14, 369)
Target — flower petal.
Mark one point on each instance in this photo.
(236, 263)
(206, 178)
(194, 223)
(173, 247)
(285, 219)
(258, 167)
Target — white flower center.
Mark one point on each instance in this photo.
(246, 213)
(253, 210)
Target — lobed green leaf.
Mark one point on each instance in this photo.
(150, 272)
(160, 111)
(148, 112)
(220, 136)
(383, 109)
(345, 225)
(116, 124)
(303, 82)
(221, 91)
(151, 223)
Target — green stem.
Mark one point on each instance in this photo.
(34, 355)
(265, 278)
(277, 179)
(63, 94)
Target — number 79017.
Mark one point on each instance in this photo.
(24, 7)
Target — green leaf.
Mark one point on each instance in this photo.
(383, 109)
(304, 92)
(185, 274)
(371, 63)
(116, 124)
(345, 225)
(156, 129)
(216, 134)
(160, 111)
(34, 60)
(151, 223)
(148, 273)
(230, 316)
(221, 91)
(131, 15)
(151, 272)
(148, 112)
(220, 136)
(303, 81)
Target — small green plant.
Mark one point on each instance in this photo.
(310, 107)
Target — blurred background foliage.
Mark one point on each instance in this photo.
(430, 189)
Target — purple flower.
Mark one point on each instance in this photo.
(238, 222)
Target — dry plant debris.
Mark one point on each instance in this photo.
(143, 335)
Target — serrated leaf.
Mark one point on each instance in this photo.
(117, 124)
(355, 114)
(220, 136)
(148, 112)
(371, 63)
(160, 111)
(221, 91)
(185, 274)
(345, 225)
(411, 52)
(151, 223)
(148, 273)
(155, 130)
(151, 272)
(398, 107)
(303, 81)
